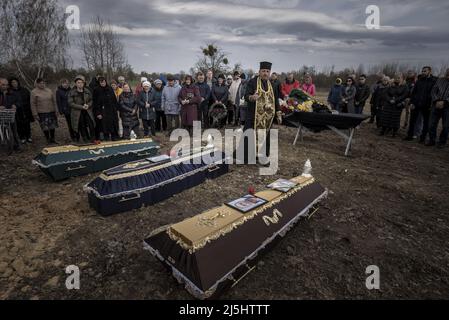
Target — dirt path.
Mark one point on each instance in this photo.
(388, 206)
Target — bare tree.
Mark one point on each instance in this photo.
(213, 58)
(34, 37)
(102, 48)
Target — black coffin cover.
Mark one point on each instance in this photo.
(208, 270)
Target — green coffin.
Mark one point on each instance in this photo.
(64, 162)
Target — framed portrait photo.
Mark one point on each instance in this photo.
(246, 203)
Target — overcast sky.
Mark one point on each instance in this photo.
(165, 35)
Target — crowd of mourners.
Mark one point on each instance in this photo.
(103, 111)
(425, 99)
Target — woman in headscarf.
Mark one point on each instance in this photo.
(220, 92)
(128, 112)
(105, 107)
(82, 116)
(189, 98)
(24, 116)
(147, 111)
(43, 106)
(394, 103)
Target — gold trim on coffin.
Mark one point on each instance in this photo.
(206, 223)
(165, 165)
(71, 148)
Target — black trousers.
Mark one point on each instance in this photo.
(23, 129)
(248, 146)
(414, 117)
(204, 114)
(147, 126)
(160, 118)
(68, 119)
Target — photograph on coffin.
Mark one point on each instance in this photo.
(146, 182)
(246, 203)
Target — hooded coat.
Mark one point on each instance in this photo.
(76, 102)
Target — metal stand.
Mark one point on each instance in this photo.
(348, 138)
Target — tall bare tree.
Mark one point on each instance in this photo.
(34, 37)
(102, 48)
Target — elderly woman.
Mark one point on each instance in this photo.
(128, 112)
(82, 116)
(43, 107)
(147, 110)
(189, 98)
(105, 107)
(348, 96)
(156, 102)
(393, 104)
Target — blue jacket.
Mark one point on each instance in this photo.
(170, 102)
(204, 90)
(335, 94)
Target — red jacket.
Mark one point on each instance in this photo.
(286, 88)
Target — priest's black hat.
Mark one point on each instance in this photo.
(265, 65)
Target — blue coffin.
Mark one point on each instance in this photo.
(146, 182)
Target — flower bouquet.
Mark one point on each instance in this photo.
(300, 101)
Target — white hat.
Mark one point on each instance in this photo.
(146, 84)
(143, 79)
(158, 81)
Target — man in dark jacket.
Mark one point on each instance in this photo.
(420, 103)
(362, 94)
(440, 110)
(62, 101)
(203, 107)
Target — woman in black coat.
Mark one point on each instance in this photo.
(393, 104)
(24, 116)
(105, 111)
(128, 112)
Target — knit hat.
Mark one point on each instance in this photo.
(80, 77)
(146, 84)
(157, 81)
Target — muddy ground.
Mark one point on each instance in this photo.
(388, 206)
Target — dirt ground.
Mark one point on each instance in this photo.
(387, 206)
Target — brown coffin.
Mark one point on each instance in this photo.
(220, 260)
